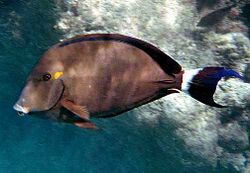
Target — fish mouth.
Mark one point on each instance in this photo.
(21, 110)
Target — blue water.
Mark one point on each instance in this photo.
(33, 145)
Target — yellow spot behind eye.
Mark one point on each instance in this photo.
(56, 75)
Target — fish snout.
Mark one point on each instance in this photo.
(21, 110)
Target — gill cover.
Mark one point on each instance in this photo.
(55, 90)
(55, 93)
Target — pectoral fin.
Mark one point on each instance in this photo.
(81, 111)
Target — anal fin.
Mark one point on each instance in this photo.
(85, 125)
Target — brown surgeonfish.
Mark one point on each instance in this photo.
(104, 75)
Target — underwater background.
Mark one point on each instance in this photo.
(159, 137)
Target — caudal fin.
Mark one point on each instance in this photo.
(201, 83)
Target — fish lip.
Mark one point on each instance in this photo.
(21, 110)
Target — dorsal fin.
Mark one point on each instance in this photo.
(167, 64)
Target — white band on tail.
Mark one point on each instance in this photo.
(187, 78)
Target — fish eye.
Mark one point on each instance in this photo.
(46, 77)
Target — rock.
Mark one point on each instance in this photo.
(233, 162)
(199, 126)
(231, 49)
(233, 138)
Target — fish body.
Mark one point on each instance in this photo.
(103, 75)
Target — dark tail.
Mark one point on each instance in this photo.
(201, 83)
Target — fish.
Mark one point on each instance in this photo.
(104, 75)
(215, 17)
